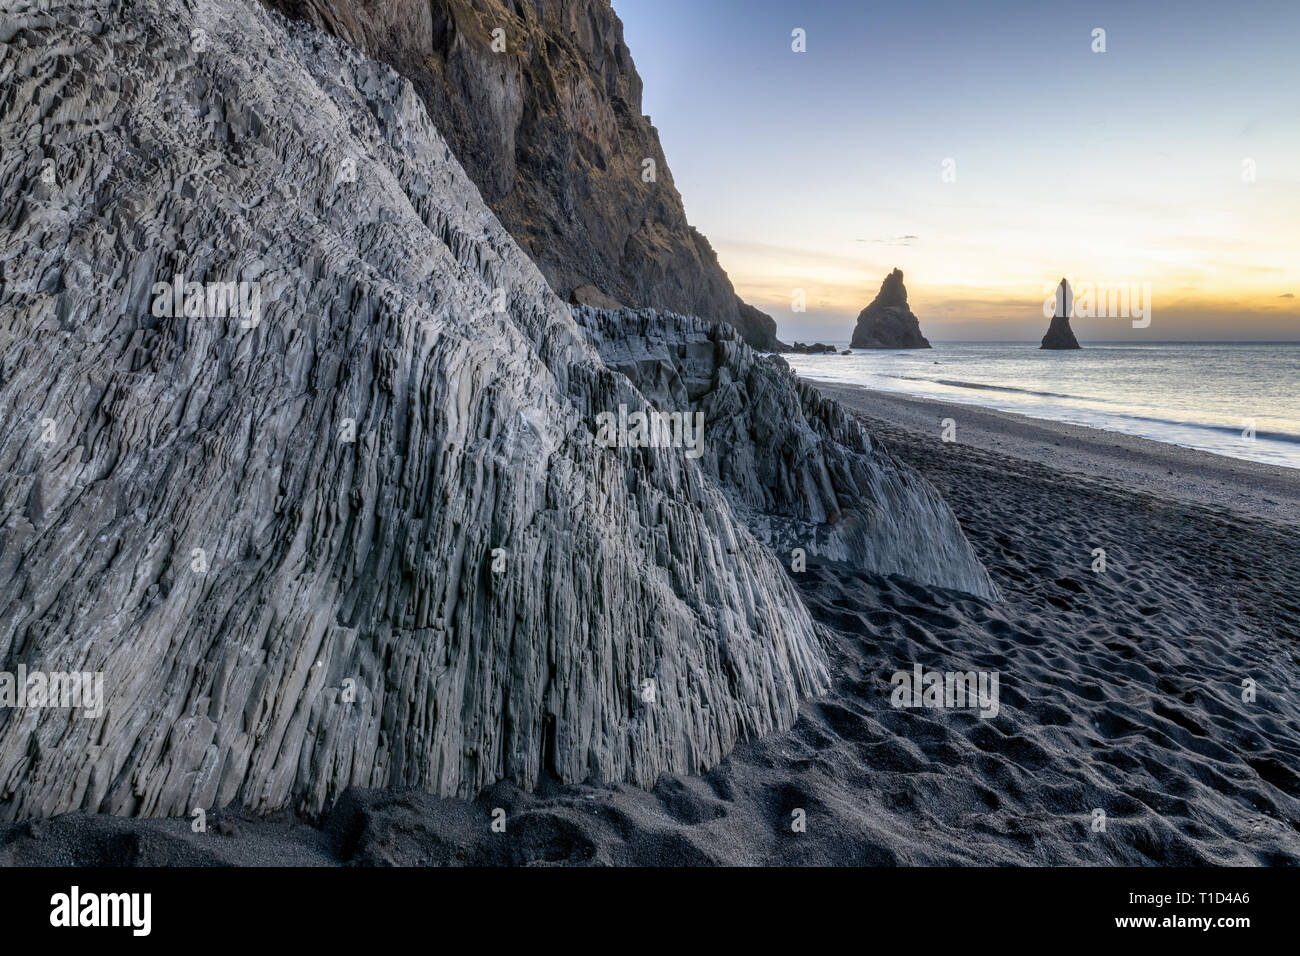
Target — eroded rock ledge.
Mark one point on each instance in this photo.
(800, 470)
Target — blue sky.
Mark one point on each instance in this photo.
(823, 170)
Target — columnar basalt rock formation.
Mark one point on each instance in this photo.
(547, 122)
(799, 469)
(360, 532)
(386, 487)
(1059, 334)
(888, 323)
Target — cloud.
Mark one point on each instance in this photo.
(790, 258)
(891, 241)
(1287, 295)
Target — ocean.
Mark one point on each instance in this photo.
(1206, 396)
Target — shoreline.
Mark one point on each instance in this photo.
(1120, 694)
(1228, 400)
(1174, 472)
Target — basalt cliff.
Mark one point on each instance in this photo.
(297, 452)
(541, 104)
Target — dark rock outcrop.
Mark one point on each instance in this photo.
(817, 348)
(888, 323)
(1059, 334)
(551, 131)
(363, 533)
(755, 326)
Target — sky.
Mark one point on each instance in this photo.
(987, 151)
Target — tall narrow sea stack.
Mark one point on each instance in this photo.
(1059, 334)
(887, 323)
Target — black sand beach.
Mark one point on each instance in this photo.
(1119, 691)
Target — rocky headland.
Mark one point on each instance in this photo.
(545, 118)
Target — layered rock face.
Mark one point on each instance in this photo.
(1059, 335)
(348, 525)
(548, 124)
(888, 323)
(797, 468)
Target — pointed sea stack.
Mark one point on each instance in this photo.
(1059, 334)
(887, 323)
